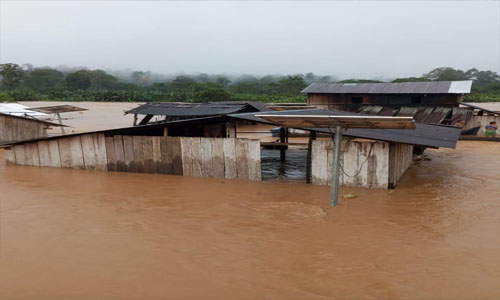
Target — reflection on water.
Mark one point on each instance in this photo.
(71, 234)
(293, 168)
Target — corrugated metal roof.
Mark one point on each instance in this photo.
(429, 115)
(423, 87)
(479, 108)
(423, 134)
(19, 110)
(58, 109)
(196, 109)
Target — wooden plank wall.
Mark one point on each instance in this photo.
(189, 156)
(401, 158)
(14, 129)
(365, 168)
(221, 158)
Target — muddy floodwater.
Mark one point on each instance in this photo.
(71, 234)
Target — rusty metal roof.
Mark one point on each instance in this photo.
(422, 87)
(480, 108)
(58, 109)
(428, 115)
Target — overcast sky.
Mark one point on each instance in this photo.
(348, 39)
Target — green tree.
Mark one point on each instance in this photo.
(213, 95)
(484, 77)
(11, 74)
(142, 78)
(410, 79)
(291, 85)
(101, 80)
(223, 81)
(184, 88)
(360, 81)
(445, 74)
(43, 79)
(79, 80)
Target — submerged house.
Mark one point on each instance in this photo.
(210, 147)
(432, 102)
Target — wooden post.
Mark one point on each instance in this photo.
(231, 131)
(165, 131)
(336, 166)
(282, 140)
(312, 137)
(60, 122)
(135, 119)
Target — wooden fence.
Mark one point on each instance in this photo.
(366, 163)
(189, 156)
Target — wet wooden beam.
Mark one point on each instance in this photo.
(283, 140)
(312, 137)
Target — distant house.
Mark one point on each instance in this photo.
(352, 96)
(432, 102)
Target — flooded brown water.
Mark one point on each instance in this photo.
(70, 234)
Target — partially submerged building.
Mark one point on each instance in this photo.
(352, 96)
(210, 147)
(170, 111)
(479, 118)
(432, 102)
(15, 128)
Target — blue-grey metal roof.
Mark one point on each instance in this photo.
(423, 87)
(196, 109)
(423, 134)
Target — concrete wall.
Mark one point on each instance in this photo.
(481, 121)
(365, 163)
(199, 157)
(400, 159)
(14, 129)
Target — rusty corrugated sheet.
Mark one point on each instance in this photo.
(377, 110)
(460, 116)
(370, 110)
(407, 111)
(423, 113)
(438, 115)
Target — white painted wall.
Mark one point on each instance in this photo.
(364, 168)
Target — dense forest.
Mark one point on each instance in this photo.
(23, 83)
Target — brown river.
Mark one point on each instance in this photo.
(72, 234)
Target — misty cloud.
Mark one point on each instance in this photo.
(346, 39)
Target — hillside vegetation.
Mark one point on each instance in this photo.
(26, 83)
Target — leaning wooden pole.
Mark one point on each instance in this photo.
(282, 141)
(336, 166)
(312, 137)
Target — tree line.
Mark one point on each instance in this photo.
(24, 82)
